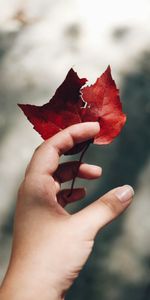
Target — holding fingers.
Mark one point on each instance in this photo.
(51, 246)
(45, 161)
(67, 171)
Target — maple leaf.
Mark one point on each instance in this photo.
(72, 103)
(104, 106)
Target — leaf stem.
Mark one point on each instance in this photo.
(77, 170)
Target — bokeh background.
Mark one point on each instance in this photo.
(40, 40)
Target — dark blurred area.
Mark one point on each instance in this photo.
(39, 42)
(123, 162)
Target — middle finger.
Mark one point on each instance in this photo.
(66, 171)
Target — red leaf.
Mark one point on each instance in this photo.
(61, 111)
(99, 102)
(103, 105)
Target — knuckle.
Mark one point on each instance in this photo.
(37, 149)
(112, 204)
(67, 141)
(69, 137)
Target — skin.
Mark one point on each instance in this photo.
(50, 246)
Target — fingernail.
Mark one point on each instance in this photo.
(96, 168)
(96, 124)
(124, 193)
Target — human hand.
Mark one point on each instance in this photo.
(50, 246)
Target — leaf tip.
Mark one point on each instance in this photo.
(108, 69)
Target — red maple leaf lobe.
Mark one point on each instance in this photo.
(104, 106)
(72, 104)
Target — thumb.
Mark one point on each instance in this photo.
(95, 216)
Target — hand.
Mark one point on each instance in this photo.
(50, 246)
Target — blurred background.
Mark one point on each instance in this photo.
(40, 40)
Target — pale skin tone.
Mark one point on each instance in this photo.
(51, 246)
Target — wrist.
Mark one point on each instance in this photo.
(9, 292)
(23, 285)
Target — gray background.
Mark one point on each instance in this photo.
(40, 40)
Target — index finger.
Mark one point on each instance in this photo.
(46, 158)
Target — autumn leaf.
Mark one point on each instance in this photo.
(104, 106)
(73, 103)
